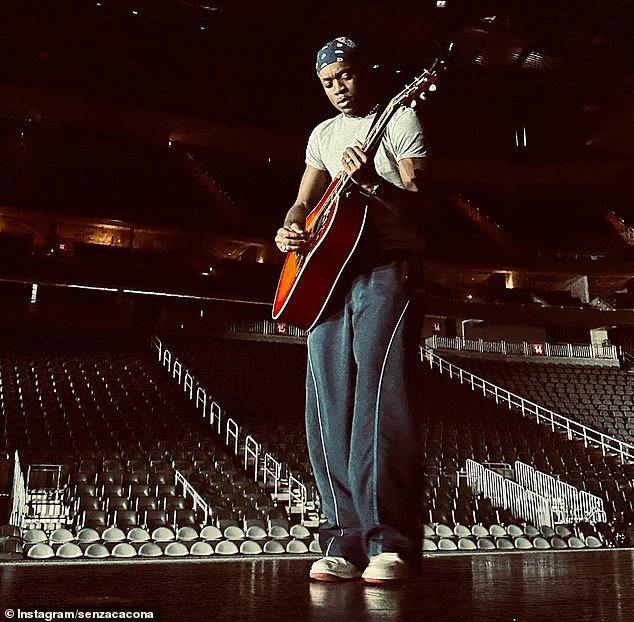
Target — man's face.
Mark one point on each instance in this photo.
(344, 86)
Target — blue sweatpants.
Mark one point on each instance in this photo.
(361, 426)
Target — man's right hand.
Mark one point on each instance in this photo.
(290, 238)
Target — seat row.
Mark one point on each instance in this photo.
(162, 541)
(443, 537)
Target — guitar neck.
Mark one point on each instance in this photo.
(373, 139)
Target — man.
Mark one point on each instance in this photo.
(362, 433)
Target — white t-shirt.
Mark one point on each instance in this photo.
(403, 138)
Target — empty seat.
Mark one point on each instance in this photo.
(138, 534)
(466, 544)
(447, 544)
(69, 550)
(523, 543)
(176, 549)
(515, 531)
(125, 519)
(88, 502)
(297, 547)
(255, 532)
(154, 519)
(124, 549)
(186, 534)
(165, 490)
(299, 531)
(211, 532)
(95, 519)
(444, 531)
(576, 543)
(531, 531)
(278, 532)
(461, 531)
(592, 542)
(479, 531)
(271, 547)
(32, 536)
(113, 534)
(87, 535)
(541, 543)
(163, 534)
(145, 503)
(174, 502)
(150, 549)
(41, 550)
(139, 490)
(234, 533)
(202, 548)
(97, 551)
(504, 542)
(558, 543)
(61, 535)
(250, 547)
(226, 547)
(113, 490)
(485, 544)
(115, 503)
(497, 531)
(109, 477)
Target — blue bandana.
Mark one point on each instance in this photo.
(338, 50)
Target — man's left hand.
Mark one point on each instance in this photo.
(359, 167)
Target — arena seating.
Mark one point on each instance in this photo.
(456, 425)
(99, 406)
(599, 396)
(103, 408)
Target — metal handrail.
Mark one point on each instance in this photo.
(608, 444)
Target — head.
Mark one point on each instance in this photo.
(344, 75)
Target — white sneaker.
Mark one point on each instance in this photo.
(333, 569)
(386, 568)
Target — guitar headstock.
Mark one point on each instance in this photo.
(426, 82)
(421, 85)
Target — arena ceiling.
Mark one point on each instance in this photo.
(556, 73)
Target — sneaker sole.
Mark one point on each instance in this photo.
(373, 581)
(330, 578)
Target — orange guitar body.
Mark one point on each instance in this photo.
(309, 278)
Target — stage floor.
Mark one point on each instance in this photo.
(557, 586)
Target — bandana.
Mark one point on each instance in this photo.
(338, 50)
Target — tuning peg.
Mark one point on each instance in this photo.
(432, 87)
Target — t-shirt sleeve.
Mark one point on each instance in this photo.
(313, 153)
(405, 135)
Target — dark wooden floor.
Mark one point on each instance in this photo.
(561, 586)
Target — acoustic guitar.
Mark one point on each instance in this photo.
(333, 229)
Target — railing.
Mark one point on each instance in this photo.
(18, 506)
(267, 327)
(573, 430)
(266, 469)
(509, 495)
(199, 504)
(535, 349)
(570, 505)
